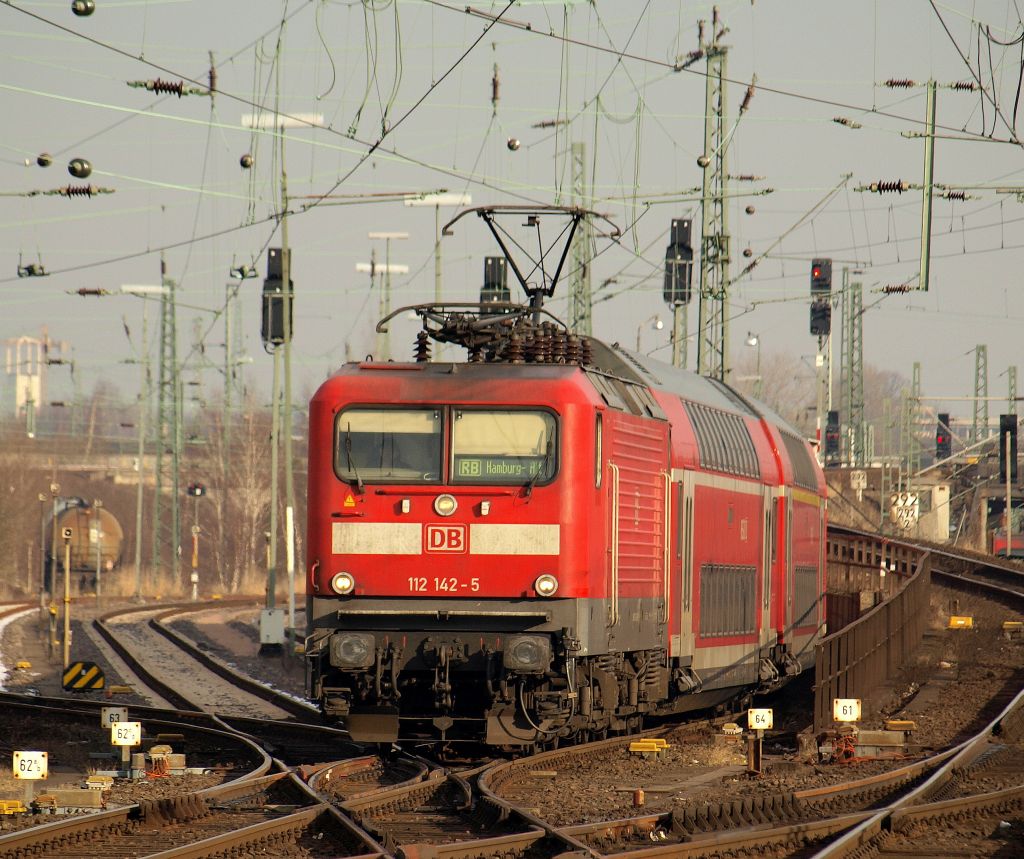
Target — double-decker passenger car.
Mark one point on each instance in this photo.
(551, 540)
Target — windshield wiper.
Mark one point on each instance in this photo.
(351, 462)
(528, 488)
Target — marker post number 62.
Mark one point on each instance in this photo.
(30, 765)
(126, 734)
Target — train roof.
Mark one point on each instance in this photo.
(691, 386)
(606, 359)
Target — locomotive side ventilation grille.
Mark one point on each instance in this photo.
(728, 600)
(804, 472)
(723, 441)
(805, 596)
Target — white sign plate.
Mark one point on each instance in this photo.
(30, 765)
(858, 480)
(109, 715)
(846, 709)
(759, 718)
(904, 509)
(126, 733)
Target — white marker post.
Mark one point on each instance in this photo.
(126, 735)
(759, 720)
(846, 709)
(30, 767)
(109, 715)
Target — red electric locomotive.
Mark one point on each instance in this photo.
(550, 540)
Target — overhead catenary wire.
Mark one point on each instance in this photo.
(832, 103)
(473, 172)
(275, 217)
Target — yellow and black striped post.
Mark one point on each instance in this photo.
(82, 677)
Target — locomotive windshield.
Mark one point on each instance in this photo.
(389, 445)
(502, 446)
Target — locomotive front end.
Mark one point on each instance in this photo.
(442, 586)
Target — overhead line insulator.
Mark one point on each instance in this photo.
(80, 191)
(844, 120)
(162, 87)
(897, 186)
(900, 83)
(748, 96)
(895, 288)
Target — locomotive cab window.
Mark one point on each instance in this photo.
(490, 446)
(388, 445)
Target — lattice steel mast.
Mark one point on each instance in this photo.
(853, 371)
(580, 308)
(713, 334)
(167, 522)
(979, 430)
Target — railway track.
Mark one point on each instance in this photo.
(169, 663)
(271, 815)
(344, 780)
(410, 810)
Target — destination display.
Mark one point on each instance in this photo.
(497, 468)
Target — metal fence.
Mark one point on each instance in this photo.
(853, 661)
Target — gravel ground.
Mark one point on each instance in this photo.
(231, 635)
(947, 703)
(943, 690)
(69, 760)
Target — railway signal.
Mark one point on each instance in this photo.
(678, 264)
(832, 438)
(943, 437)
(274, 305)
(821, 317)
(821, 277)
(1008, 448)
(495, 286)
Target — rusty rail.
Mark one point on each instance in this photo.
(853, 661)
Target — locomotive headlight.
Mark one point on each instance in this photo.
(546, 585)
(343, 583)
(445, 505)
(531, 653)
(352, 649)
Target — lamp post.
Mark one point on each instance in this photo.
(754, 340)
(372, 268)
(656, 325)
(277, 122)
(54, 494)
(144, 292)
(437, 201)
(66, 642)
(97, 506)
(42, 555)
(388, 237)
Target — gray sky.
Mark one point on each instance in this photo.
(174, 164)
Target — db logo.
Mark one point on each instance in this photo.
(445, 538)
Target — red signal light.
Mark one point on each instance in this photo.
(815, 272)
